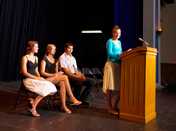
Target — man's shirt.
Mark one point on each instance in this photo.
(69, 62)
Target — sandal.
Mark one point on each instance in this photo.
(34, 113)
(66, 110)
(76, 102)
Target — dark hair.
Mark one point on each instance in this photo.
(30, 45)
(69, 43)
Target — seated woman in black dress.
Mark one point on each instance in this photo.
(49, 70)
(31, 77)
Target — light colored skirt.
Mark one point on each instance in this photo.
(111, 77)
(41, 87)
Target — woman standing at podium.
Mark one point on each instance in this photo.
(111, 78)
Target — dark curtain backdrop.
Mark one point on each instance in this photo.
(20, 20)
(128, 14)
(58, 21)
(88, 15)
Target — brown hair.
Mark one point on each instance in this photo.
(49, 48)
(30, 45)
(68, 44)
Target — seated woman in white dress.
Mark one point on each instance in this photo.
(49, 70)
(31, 77)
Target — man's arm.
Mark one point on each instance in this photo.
(77, 75)
(65, 67)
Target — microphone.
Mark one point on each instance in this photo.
(144, 43)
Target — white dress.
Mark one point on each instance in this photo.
(40, 87)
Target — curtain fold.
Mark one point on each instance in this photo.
(58, 21)
(20, 21)
(128, 14)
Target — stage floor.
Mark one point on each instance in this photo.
(94, 118)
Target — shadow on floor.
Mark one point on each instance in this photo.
(94, 118)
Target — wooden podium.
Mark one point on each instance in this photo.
(138, 85)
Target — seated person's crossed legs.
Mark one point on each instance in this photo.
(82, 89)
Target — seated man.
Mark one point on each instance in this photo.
(77, 79)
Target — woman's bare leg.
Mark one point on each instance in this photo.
(67, 86)
(63, 97)
(63, 82)
(109, 97)
(117, 99)
(69, 91)
(34, 103)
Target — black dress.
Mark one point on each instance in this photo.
(41, 87)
